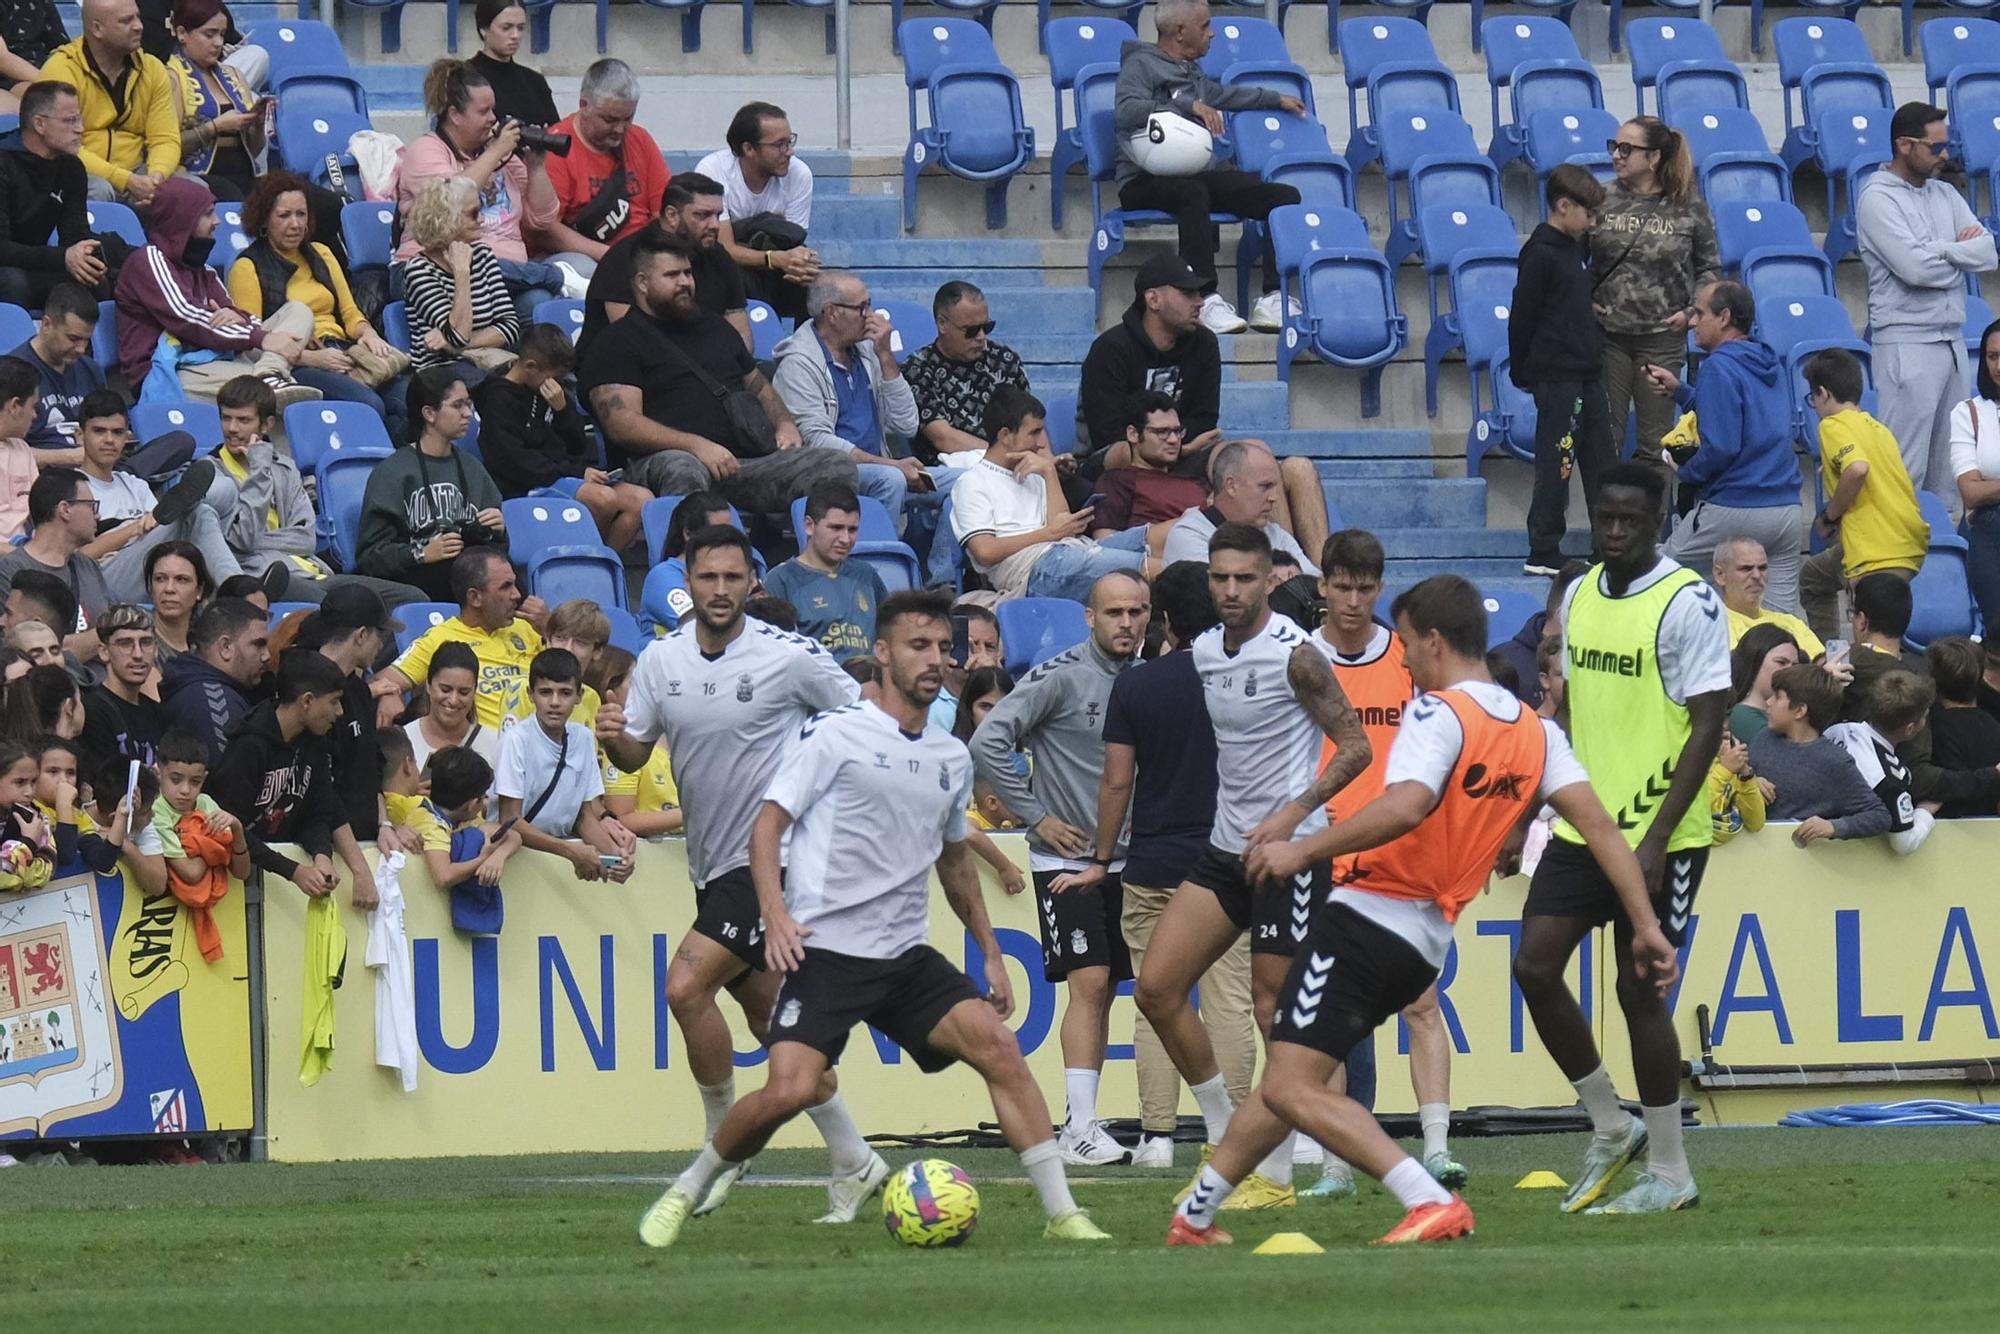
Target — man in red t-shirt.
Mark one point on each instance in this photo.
(1148, 493)
(610, 183)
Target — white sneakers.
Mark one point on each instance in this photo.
(846, 1195)
(1221, 317)
(1154, 1151)
(1090, 1147)
(575, 286)
(1270, 311)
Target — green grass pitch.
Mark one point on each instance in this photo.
(1798, 1230)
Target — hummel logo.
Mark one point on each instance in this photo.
(1680, 893)
(1312, 989)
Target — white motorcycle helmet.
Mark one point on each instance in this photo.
(1171, 145)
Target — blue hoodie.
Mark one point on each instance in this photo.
(1744, 415)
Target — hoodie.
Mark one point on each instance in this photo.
(1744, 416)
(1552, 334)
(40, 198)
(281, 790)
(202, 700)
(805, 382)
(1123, 361)
(1520, 653)
(1908, 238)
(160, 290)
(267, 484)
(410, 499)
(1150, 80)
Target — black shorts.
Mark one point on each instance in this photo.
(1081, 927)
(821, 1001)
(1347, 980)
(1276, 916)
(1569, 883)
(726, 911)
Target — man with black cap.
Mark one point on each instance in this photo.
(1159, 344)
(350, 629)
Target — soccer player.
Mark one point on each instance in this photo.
(1646, 661)
(1470, 761)
(1057, 713)
(1272, 699)
(728, 695)
(874, 798)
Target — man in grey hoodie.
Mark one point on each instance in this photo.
(1057, 712)
(1919, 240)
(839, 379)
(1167, 78)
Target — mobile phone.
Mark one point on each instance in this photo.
(609, 861)
(961, 640)
(614, 477)
(1837, 651)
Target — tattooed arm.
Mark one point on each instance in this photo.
(1319, 694)
(620, 409)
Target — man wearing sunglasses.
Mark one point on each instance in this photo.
(1919, 241)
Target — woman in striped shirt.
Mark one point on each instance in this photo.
(453, 288)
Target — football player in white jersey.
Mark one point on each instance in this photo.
(1273, 700)
(874, 797)
(728, 695)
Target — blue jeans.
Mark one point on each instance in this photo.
(537, 280)
(886, 483)
(1982, 561)
(1067, 570)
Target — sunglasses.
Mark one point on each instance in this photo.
(976, 330)
(1618, 150)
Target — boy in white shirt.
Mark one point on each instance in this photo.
(548, 777)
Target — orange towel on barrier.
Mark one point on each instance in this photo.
(197, 841)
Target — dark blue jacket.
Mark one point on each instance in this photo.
(1744, 414)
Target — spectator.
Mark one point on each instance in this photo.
(277, 779)
(954, 377)
(519, 93)
(611, 181)
(1975, 466)
(221, 119)
(1881, 618)
(59, 353)
(1652, 250)
(665, 598)
(1744, 470)
(63, 509)
(76, 834)
(206, 691)
(1556, 352)
(840, 382)
(245, 587)
(19, 462)
(35, 644)
(38, 597)
(1165, 79)
(510, 184)
(46, 701)
(646, 802)
(121, 722)
(691, 211)
(835, 598)
(982, 649)
(177, 579)
(447, 822)
(424, 506)
(1870, 521)
(548, 777)
(1813, 779)
(45, 236)
(1523, 651)
(1150, 490)
(1009, 513)
(1159, 344)
(131, 520)
(30, 32)
(131, 132)
(984, 688)
(1919, 240)
(766, 206)
(1246, 489)
(450, 720)
(168, 291)
(1754, 662)
(673, 395)
(1898, 703)
(345, 359)
(350, 630)
(454, 288)
(1964, 738)
(251, 64)
(1735, 797)
(774, 612)
(495, 621)
(1741, 571)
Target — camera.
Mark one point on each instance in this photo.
(474, 533)
(544, 140)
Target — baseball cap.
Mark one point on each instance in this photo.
(356, 607)
(1165, 271)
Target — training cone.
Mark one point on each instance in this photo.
(1541, 1181)
(1289, 1243)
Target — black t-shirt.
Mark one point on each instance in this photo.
(640, 351)
(357, 768)
(518, 91)
(1158, 709)
(115, 731)
(718, 285)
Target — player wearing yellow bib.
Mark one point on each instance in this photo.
(1646, 661)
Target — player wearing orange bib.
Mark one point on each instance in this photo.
(1367, 660)
(1468, 762)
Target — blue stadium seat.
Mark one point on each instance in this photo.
(1846, 9)
(557, 544)
(1033, 630)
(690, 12)
(107, 218)
(1555, 137)
(320, 89)
(391, 12)
(1408, 137)
(1656, 43)
(1483, 32)
(1941, 595)
(563, 312)
(1284, 9)
(1542, 85)
(1073, 44)
(912, 326)
(1507, 610)
(395, 325)
(367, 227)
(1512, 42)
(1243, 40)
(1972, 98)
(1445, 231)
(1286, 79)
(1978, 315)
(1396, 91)
(654, 518)
(1689, 87)
(1954, 41)
(341, 482)
(17, 326)
(1417, 12)
(749, 22)
(1508, 426)
(469, 442)
(1810, 40)
(973, 125)
(150, 421)
(766, 329)
(230, 242)
(1481, 282)
(626, 632)
(981, 11)
(1368, 44)
(1832, 88)
(876, 525)
(419, 619)
(306, 139)
(893, 562)
(1061, 423)
(1445, 178)
(1263, 138)
(1795, 329)
(1851, 145)
(1776, 274)
(296, 42)
(1742, 226)
(1347, 295)
(324, 430)
(1322, 177)
(1723, 130)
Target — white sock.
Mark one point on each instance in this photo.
(1600, 1100)
(1436, 1118)
(702, 1172)
(716, 1100)
(1277, 1165)
(1212, 1096)
(1307, 1150)
(1666, 1156)
(1412, 1185)
(1045, 1170)
(850, 1153)
(1333, 1165)
(1082, 1088)
(1211, 1188)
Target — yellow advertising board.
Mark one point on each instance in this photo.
(555, 1035)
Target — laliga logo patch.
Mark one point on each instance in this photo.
(789, 1015)
(743, 691)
